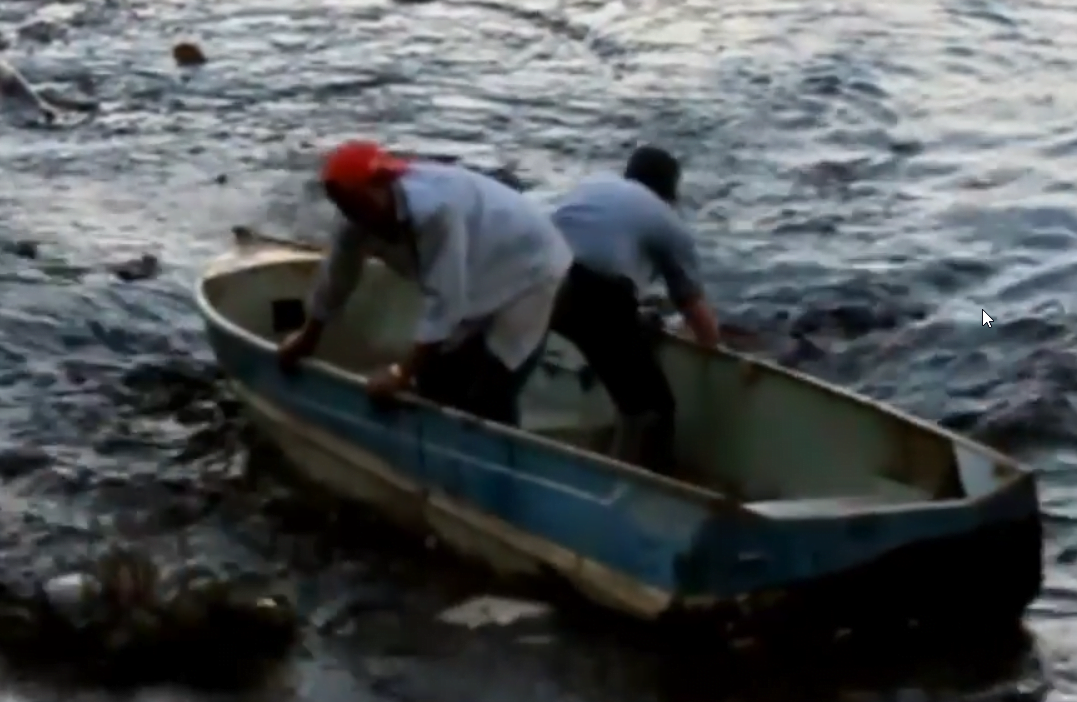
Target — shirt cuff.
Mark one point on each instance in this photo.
(433, 329)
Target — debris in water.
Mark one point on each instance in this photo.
(123, 620)
(67, 592)
(188, 54)
(332, 615)
(141, 268)
(487, 609)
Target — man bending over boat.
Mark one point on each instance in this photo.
(489, 262)
(624, 233)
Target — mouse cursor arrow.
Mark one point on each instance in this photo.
(986, 319)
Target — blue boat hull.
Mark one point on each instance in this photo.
(962, 540)
(633, 545)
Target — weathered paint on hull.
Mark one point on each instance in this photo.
(356, 474)
(526, 502)
(971, 578)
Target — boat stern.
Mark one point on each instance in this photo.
(841, 563)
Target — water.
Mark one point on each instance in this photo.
(876, 172)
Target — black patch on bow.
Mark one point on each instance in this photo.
(288, 315)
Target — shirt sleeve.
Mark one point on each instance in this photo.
(672, 248)
(339, 273)
(442, 248)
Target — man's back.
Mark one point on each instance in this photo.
(619, 227)
(511, 243)
(510, 239)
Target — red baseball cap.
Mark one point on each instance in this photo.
(355, 164)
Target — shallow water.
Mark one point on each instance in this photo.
(876, 174)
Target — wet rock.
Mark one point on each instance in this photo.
(850, 320)
(187, 54)
(182, 513)
(829, 172)
(119, 617)
(23, 248)
(18, 461)
(142, 268)
(800, 351)
(1067, 556)
(197, 413)
(905, 147)
(42, 31)
(243, 234)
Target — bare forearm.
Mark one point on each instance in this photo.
(313, 328)
(702, 321)
(338, 275)
(413, 362)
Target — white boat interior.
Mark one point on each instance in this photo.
(783, 443)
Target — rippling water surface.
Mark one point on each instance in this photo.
(875, 173)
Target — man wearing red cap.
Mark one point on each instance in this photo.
(490, 264)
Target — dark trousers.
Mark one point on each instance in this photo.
(470, 378)
(600, 315)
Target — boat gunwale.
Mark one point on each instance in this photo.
(680, 488)
(847, 394)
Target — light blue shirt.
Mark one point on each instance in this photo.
(484, 255)
(619, 227)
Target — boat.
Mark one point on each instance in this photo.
(788, 495)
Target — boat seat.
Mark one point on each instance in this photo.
(823, 506)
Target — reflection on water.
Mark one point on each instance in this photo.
(867, 175)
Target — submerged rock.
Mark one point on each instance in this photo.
(23, 248)
(20, 460)
(141, 268)
(188, 54)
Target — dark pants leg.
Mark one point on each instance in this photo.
(470, 378)
(600, 315)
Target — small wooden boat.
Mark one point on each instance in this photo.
(790, 494)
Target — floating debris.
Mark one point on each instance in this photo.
(123, 620)
(487, 609)
(188, 54)
(142, 268)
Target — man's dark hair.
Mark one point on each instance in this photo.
(657, 169)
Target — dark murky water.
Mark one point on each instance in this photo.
(873, 175)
